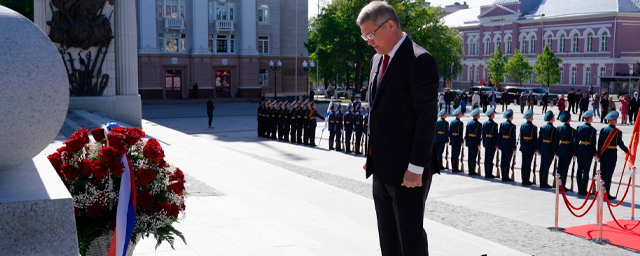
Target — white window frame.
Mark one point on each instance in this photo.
(561, 43)
(574, 43)
(587, 75)
(264, 77)
(498, 41)
(604, 41)
(509, 41)
(263, 13)
(549, 41)
(532, 44)
(523, 44)
(181, 42)
(262, 42)
(561, 75)
(469, 74)
(602, 72)
(589, 42)
(213, 43)
(574, 73)
(180, 9)
(487, 46)
(476, 46)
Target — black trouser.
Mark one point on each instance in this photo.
(274, 129)
(310, 135)
(338, 143)
(347, 140)
(358, 142)
(571, 107)
(286, 131)
(583, 177)
(604, 111)
(300, 127)
(506, 164)
(294, 128)
(489, 153)
(400, 215)
(564, 163)
(525, 168)
(210, 114)
(546, 161)
(521, 109)
(544, 107)
(633, 115)
(332, 136)
(505, 104)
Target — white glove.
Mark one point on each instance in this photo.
(597, 159)
(463, 144)
(574, 158)
(537, 153)
(555, 157)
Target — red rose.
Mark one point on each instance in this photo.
(121, 149)
(182, 206)
(108, 153)
(98, 169)
(85, 167)
(115, 138)
(55, 160)
(133, 135)
(175, 210)
(61, 149)
(95, 209)
(76, 211)
(163, 206)
(145, 176)
(69, 171)
(119, 129)
(146, 200)
(153, 150)
(77, 140)
(98, 134)
(116, 167)
(178, 175)
(176, 186)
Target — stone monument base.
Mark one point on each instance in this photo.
(124, 108)
(36, 211)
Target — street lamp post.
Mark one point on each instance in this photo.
(275, 80)
(311, 64)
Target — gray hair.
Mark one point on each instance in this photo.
(378, 12)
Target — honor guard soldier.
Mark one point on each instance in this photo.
(442, 136)
(339, 117)
(366, 130)
(267, 120)
(260, 110)
(274, 119)
(490, 141)
(300, 122)
(585, 151)
(280, 115)
(332, 125)
(457, 139)
(507, 143)
(287, 123)
(358, 128)
(357, 104)
(608, 142)
(348, 127)
(567, 137)
(472, 139)
(528, 146)
(307, 122)
(293, 118)
(547, 148)
(310, 133)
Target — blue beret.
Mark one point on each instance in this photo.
(339, 105)
(442, 112)
(350, 105)
(589, 113)
(366, 109)
(548, 116)
(475, 111)
(490, 111)
(564, 116)
(612, 115)
(457, 111)
(528, 114)
(332, 105)
(508, 113)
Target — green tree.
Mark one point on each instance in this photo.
(519, 68)
(24, 7)
(547, 67)
(496, 66)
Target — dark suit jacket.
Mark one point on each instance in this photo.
(403, 114)
(634, 104)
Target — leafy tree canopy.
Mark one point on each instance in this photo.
(547, 67)
(496, 66)
(518, 67)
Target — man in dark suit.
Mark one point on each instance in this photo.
(634, 105)
(402, 155)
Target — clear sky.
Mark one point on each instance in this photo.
(313, 4)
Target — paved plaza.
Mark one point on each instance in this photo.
(255, 196)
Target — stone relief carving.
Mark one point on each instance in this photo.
(82, 24)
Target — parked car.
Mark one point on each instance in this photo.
(514, 93)
(319, 90)
(487, 90)
(329, 91)
(340, 92)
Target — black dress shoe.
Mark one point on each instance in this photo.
(527, 183)
(339, 149)
(473, 174)
(507, 180)
(456, 171)
(545, 186)
(490, 176)
(611, 197)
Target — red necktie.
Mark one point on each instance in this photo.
(385, 63)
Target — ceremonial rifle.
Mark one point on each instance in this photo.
(513, 165)
(498, 164)
(479, 159)
(555, 169)
(573, 171)
(447, 157)
(535, 165)
(462, 159)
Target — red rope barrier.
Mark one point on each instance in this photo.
(626, 158)
(583, 203)
(567, 203)
(623, 197)
(616, 221)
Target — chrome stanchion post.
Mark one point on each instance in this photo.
(558, 184)
(601, 192)
(633, 194)
(598, 198)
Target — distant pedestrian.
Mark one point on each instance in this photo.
(545, 102)
(485, 101)
(624, 108)
(447, 99)
(595, 103)
(475, 101)
(612, 105)
(634, 105)
(523, 102)
(456, 102)
(263, 98)
(505, 100)
(492, 100)
(584, 103)
(604, 106)
(571, 99)
(210, 108)
(561, 103)
(590, 91)
(531, 100)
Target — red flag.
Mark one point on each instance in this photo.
(633, 145)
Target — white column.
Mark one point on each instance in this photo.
(148, 36)
(200, 27)
(126, 48)
(249, 17)
(40, 16)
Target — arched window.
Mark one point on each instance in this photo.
(532, 44)
(561, 75)
(476, 46)
(498, 42)
(508, 45)
(561, 43)
(548, 41)
(589, 43)
(523, 44)
(574, 43)
(587, 76)
(487, 46)
(603, 41)
(470, 47)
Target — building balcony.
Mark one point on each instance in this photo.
(170, 23)
(224, 25)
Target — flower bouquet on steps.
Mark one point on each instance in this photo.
(119, 165)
